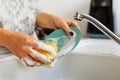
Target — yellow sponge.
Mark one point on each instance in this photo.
(53, 44)
(48, 54)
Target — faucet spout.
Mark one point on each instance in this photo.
(98, 25)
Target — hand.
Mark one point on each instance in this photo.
(50, 21)
(19, 44)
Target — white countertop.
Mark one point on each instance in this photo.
(86, 46)
(98, 47)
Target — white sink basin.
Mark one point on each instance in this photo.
(70, 67)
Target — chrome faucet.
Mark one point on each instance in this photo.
(98, 25)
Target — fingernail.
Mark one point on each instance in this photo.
(52, 59)
(71, 33)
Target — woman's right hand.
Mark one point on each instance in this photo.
(19, 44)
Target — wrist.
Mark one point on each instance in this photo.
(4, 36)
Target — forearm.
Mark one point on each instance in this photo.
(4, 36)
(44, 20)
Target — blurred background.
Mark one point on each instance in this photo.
(106, 11)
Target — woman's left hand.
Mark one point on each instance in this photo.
(54, 22)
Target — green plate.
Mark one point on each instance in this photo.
(64, 42)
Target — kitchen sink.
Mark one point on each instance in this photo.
(73, 66)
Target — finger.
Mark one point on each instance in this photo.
(21, 54)
(73, 23)
(32, 43)
(34, 58)
(55, 27)
(28, 52)
(40, 57)
(27, 61)
(46, 47)
(67, 29)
